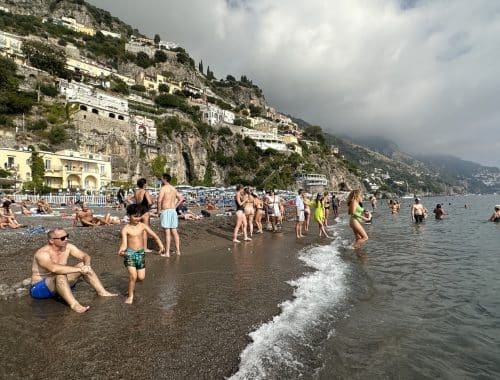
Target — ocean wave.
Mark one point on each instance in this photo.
(285, 344)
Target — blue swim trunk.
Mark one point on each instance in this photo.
(41, 291)
(134, 258)
(168, 218)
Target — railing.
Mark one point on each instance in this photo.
(98, 200)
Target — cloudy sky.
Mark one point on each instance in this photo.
(425, 74)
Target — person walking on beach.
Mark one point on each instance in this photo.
(240, 200)
(299, 206)
(168, 200)
(132, 248)
(335, 206)
(307, 211)
(418, 211)
(356, 212)
(51, 275)
(319, 214)
(120, 198)
(143, 198)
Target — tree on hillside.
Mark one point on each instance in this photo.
(158, 165)
(143, 60)
(200, 67)
(230, 78)
(8, 80)
(46, 57)
(57, 135)
(160, 56)
(314, 132)
(157, 39)
(210, 74)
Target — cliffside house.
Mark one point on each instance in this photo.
(91, 100)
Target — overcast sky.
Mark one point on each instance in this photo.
(425, 74)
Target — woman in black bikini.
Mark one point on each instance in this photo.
(143, 198)
(240, 199)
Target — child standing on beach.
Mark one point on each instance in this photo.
(132, 248)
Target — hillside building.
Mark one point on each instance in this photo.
(144, 129)
(71, 23)
(65, 169)
(214, 115)
(111, 34)
(10, 45)
(94, 69)
(91, 100)
(262, 139)
(311, 182)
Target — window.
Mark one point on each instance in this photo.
(103, 169)
(47, 164)
(10, 162)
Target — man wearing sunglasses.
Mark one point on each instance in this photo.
(52, 276)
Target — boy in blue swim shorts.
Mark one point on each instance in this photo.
(132, 248)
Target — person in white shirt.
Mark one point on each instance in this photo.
(300, 217)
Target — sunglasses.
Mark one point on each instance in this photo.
(62, 238)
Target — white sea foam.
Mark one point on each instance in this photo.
(275, 343)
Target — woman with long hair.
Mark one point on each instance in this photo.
(144, 200)
(357, 217)
(319, 214)
(241, 220)
(249, 209)
(259, 211)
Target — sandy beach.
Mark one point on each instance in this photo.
(191, 317)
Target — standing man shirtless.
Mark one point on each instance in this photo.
(51, 275)
(168, 200)
(418, 211)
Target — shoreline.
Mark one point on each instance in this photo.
(196, 308)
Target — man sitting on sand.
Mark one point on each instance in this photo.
(43, 207)
(87, 218)
(51, 275)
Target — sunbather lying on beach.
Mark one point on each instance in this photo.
(87, 218)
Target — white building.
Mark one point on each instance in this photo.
(10, 44)
(92, 100)
(144, 128)
(111, 34)
(214, 115)
(167, 45)
(94, 69)
(308, 180)
(264, 140)
(136, 47)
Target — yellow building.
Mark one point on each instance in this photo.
(64, 169)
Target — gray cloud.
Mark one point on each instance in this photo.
(422, 73)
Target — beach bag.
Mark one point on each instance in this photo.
(269, 210)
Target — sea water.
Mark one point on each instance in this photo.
(417, 301)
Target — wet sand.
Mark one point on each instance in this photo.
(190, 318)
